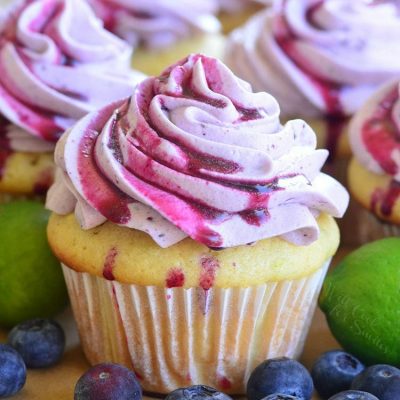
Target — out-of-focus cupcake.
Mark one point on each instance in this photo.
(321, 60)
(57, 63)
(152, 187)
(234, 13)
(163, 31)
(374, 172)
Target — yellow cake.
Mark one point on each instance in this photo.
(140, 261)
(26, 174)
(232, 20)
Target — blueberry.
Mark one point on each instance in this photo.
(108, 382)
(280, 375)
(12, 371)
(40, 342)
(197, 392)
(334, 372)
(279, 396)
(354, 395)
(376, 379)
(392, 389)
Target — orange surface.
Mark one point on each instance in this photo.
(59, 381)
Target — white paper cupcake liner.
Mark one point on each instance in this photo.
(179, 337)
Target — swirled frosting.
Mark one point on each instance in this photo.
(196, 153)
(375, 132)
(319, 56)
(157, 23)
(57, 63)
(375, 141)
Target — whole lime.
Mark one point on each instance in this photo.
(31, 280)
(361, 301)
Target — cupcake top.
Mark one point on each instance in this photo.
(57, 63)
(319, 57)
(194, 152)
(375, 132)
(157, 23)
(374, 173)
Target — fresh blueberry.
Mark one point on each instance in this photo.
(197, 392)
(280, 375)
(40, 342)
(391, 389)
(279, 396)
(12, 371)
(334, 372)
(354, 395)
(108, 382)
(376, 380)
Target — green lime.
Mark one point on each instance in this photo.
(361, 301)
(31, 280)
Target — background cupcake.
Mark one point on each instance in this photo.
(57, 63)
(320, 59)
(152, 187)
(163, 31)
(374, 172)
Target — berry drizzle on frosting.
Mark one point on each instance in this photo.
(376, 143)
(195, 152)
(319, 57)
(330, 91)
(157, 23)
(57, 63)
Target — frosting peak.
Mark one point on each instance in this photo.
(56, 64)
(195, 152)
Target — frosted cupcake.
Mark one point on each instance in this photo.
(194, 229)
(320, 59)
(163, 31)
(374, 172)
(57, 63)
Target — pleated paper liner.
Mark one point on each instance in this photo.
(179, 337)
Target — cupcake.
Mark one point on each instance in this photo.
(57, 64)
(321, 60)
(193, 228)
(163, 31)
(234, 13)
(374, 171)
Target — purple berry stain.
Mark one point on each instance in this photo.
(175, 278)
(224, 383)
(209, 265)
(109, 264)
